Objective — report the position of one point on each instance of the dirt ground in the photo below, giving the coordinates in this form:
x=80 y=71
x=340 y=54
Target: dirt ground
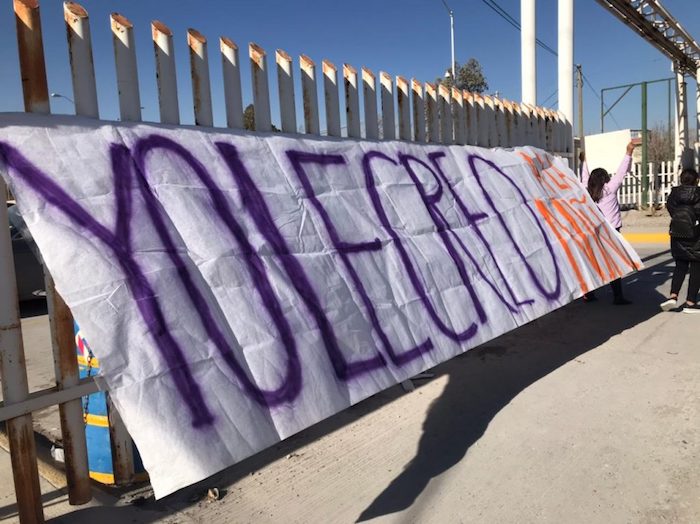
x=588 y=415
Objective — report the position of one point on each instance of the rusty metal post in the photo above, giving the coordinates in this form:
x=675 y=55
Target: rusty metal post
x=233 y=97
x=388 y=121
x=369 y=94
x=13 y=370
x=418 y=111
x=20 y=432
x=352 y=101
x=199 y=71
x=285 y=88
x=309 y=95
x=31 y=56
x=165 y=73
x=60 y=318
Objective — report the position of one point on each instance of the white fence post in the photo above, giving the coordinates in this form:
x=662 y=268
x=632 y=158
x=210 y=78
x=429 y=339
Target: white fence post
x=388 y=121
x=199 y=70
x=231 y=69
x=330 y=92
x=352 y=101
x=470 y=118
x=127 y=74
x=285 y=88
x=403 y=103
x=548 y=131
x=80 y=52
x=482 y=121
x=445 y=112
x=369 y=95
x=431 y=113
x=165 y=73
x=418 y=111
x=261 y=91
x=309 y=95
x=458 y=116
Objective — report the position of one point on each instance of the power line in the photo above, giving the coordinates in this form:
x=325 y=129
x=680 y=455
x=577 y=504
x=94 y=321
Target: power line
x=549 y=97
x=512 y=21
x=595 y=92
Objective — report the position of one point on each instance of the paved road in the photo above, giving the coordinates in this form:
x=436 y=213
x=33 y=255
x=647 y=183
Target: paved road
x=589 y=414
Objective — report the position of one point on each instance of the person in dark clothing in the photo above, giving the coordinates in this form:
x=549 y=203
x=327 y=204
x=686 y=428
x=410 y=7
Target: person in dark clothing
x=684 y=206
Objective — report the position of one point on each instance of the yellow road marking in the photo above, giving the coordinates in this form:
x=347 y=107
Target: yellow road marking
x=647 y=238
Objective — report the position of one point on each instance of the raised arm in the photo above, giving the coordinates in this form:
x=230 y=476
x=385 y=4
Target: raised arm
x=616 y=181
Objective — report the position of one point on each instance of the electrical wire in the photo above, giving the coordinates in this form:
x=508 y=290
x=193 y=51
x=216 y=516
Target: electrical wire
x=549 y=97
x=512 y=21
x=595 y=92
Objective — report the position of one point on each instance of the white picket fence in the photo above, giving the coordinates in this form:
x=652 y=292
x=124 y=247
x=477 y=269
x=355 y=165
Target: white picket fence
x=661 y=179
x=391 y=108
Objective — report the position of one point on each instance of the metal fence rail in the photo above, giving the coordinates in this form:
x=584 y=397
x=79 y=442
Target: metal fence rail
x=392 y=108
x=661 y=179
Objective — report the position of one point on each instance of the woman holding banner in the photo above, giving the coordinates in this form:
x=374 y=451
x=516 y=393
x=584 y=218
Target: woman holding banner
x=603 y=190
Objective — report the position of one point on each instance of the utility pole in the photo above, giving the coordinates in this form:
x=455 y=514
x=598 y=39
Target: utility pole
x=645 y=157
x=579 y=86
x=452 y=38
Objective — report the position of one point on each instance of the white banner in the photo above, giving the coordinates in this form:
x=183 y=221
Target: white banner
x=239 y=287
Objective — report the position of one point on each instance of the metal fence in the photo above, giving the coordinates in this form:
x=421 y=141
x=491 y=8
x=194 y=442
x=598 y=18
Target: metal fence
x=661 y=179
x=391 y=108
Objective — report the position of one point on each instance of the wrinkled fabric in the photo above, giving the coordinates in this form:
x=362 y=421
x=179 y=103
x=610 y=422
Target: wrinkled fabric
x=239 y=287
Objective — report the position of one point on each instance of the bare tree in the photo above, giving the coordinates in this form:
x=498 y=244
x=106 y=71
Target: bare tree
x=660 y=146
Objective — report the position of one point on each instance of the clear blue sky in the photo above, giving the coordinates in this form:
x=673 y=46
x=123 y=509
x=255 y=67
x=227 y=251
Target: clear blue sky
x=408 y=37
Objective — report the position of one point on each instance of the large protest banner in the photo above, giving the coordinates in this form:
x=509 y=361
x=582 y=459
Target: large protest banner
x=240 y=287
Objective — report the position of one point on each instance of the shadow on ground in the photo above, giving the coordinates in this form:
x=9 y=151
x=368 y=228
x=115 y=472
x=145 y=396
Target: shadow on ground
x=484 y=380
x=481 y=382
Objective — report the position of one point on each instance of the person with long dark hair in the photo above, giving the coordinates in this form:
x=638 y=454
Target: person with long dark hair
x=683 y=204
x=603 y=190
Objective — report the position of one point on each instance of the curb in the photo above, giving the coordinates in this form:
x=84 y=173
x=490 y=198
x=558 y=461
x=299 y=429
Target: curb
x=48 y=469
x=647 y=238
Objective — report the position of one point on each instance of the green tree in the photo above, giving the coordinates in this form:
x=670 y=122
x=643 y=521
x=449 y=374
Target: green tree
x=249 y=119
x=470 y=76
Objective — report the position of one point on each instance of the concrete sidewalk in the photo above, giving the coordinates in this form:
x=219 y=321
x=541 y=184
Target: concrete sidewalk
x=586 y=415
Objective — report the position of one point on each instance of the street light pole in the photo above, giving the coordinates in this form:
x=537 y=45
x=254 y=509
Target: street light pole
x=59 y=95
x=452 y=38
